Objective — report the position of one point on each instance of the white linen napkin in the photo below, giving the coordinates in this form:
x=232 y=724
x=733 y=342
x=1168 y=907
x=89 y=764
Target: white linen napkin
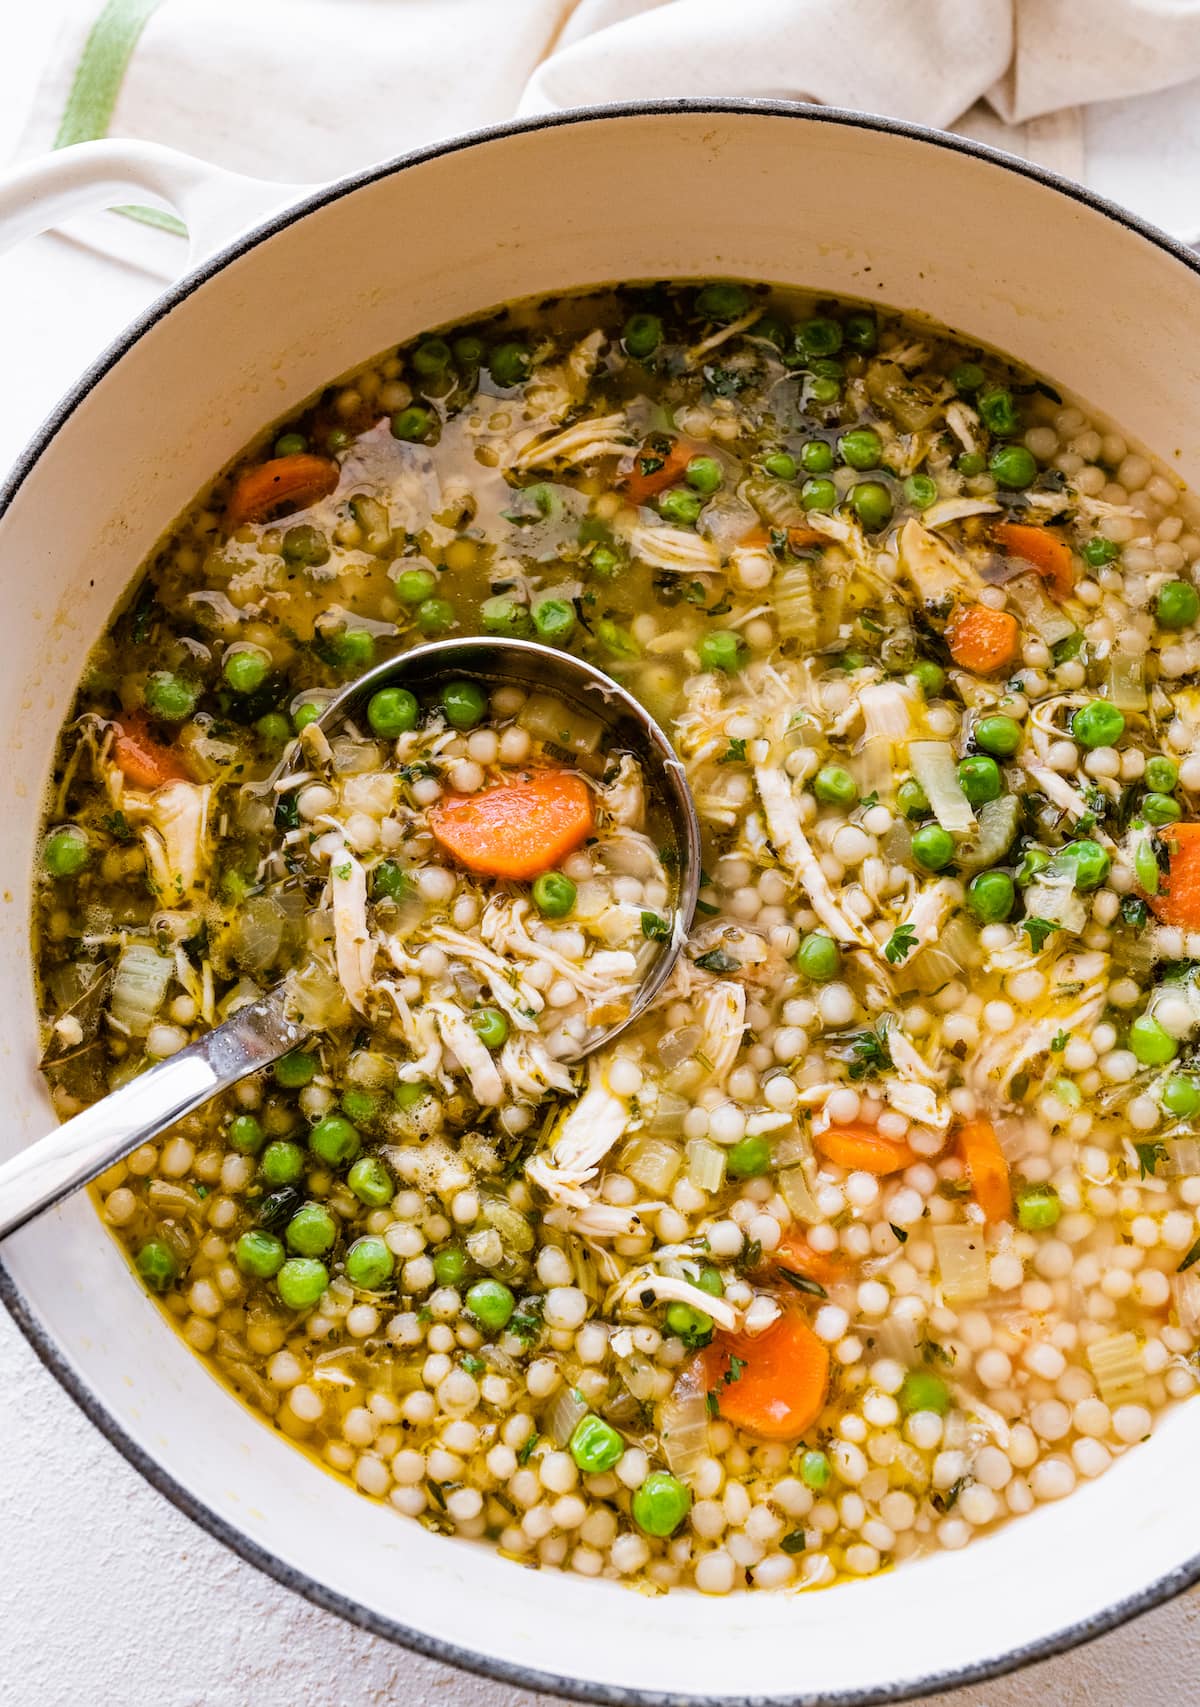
x=304 y=90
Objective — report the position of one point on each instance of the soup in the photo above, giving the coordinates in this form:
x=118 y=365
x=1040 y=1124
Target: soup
x=878 y=1227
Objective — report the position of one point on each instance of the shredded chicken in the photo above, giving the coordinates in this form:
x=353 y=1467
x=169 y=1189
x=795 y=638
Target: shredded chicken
x=583 y=1137
x=642 y=1287
x=173 y=824
x=581 y=442
x=673 y=549
x=461 y=1038
x=792 y=845
x=353 y=946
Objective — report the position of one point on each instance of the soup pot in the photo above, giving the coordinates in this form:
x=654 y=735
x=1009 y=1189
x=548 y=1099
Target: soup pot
x=832 y=201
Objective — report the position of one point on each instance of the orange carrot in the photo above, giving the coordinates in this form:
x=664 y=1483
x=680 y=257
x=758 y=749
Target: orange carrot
x=794 y=1253
x=799 y=538
x=654 y=470
x=777 y=1385
x=988 y=1169
x=982 y=640
x=516 y=829
x=1178 y=898
x=284 y=483
x=142 y=760
x=1045 y=551
x=860 y=1148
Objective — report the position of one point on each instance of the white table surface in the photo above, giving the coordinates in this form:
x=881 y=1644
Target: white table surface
x=110 y=1597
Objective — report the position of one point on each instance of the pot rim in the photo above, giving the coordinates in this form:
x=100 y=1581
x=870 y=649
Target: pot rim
x=319 y=1594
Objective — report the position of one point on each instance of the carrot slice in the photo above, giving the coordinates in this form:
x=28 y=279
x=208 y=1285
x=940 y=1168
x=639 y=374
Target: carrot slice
x=142 y=760
x=777 y=1385
x=653 y=470
x=860 y=1148
x=794 y=1253
x=1049 y=555
x=982 y=640
x=283 y=483
x=988 y=1169
x=1178 y=898
x=516 y=829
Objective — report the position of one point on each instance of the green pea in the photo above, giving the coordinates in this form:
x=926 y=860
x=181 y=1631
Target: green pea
x=369 y=1264
x=415 y=585
x=722 y=649
x=469 y=350
x=281 y=1163
x=435 y=616
x=912 y=799
x=834 y=786
x=999 y=735
x=816 y=1472
x=661 y=1503
x=464 y=703
x=390 y=881
x=693 y=1327
x=967 y=378
x=1085 y=862
x=502 y=614
x=353 y=648
x=1161 y=809
x=290 y=444
x=932 y=847
x=780 y=465
x=1038 y=1207
x=1177 y=605
x=66 y=851
x=722 y=302
x=1033 y=860
x=1099 y=552
x=157 y=1266
x=450 y=1265
x=245 y=668
x=337 y=438
x=851 y=661
x=861 y=448
x=412 y=1092
x=676 y=505
x=819 y=957
x=990 y=896
x=1180 y=1096
x=595 y=1445
x=920 y=491
x=431 y=358
x=999 y=411
x=1098 y=724
x=334 y=1140
x=274 y=729
x=872 y=504
x=980 y=780
x=490 y=1026
x=509 y=365
x=1162 y=775
x=860 y=330
x=168 y=696
x=773 y=329
x=819 y=336
x=554 y=620
x=259 y=1254
x=553 y=895
x=971 y=464
x=819 y=495
x=642 y=335
x=301 y=1282
x=816 y=457
x=704 y=474
x=1153 y=1046
x=1145 y=865
x=1013 y=467
x=491 y=1303
x=292 y=1071
x=710 y=1281
x=358 y=1105
x=371 y=1182
x=246 y=1135
x=604 y=563
x=920 y=1391
x=392 y=712
x=304 y=715
x=414 y=425
x=749 y=1157
x=931 y=678
x=311 y=1231
x=305 y=544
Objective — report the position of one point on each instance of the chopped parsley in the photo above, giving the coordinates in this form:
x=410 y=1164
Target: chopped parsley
x=900 y=944
x=716 y=960
x=1059 y=1042
x=1191 y=1256
x=1149 y=1156
x=735 y=753
x=655 y=928
x=871 y=1055
x=1038 y=930
x=793 y=1542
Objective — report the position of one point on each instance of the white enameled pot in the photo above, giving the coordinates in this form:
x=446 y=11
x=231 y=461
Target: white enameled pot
x=832 y=201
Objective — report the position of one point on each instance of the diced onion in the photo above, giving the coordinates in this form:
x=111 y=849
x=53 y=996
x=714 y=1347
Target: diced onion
x=138 y=987
x=795 y=1191
x=1182 y=1158
x=1126 y=681
x=1041 y=615
x=1116 y=1362
x=639 y=1375
x=1186 y=1287
x=887 y=711
x=677 y=1046
x=936 y=770
x=683 y=1424
x=1056 y=901
x=962 y=1260
x=567 y=1411
x=705 y=1165
x=999 y=821
x=795 y=605
x=896 y=1337
x=652 y=1162
x=546 y=718
x=668 y=1116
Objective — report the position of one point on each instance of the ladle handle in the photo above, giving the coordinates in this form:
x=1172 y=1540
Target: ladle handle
x=87 y=1144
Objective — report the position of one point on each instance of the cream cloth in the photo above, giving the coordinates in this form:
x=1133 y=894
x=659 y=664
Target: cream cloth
x=304 y=90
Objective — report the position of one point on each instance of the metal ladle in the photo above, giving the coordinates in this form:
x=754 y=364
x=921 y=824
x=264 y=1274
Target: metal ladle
x=263 y=1030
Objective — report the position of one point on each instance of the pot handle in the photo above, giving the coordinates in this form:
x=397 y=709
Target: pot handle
x=215 y=204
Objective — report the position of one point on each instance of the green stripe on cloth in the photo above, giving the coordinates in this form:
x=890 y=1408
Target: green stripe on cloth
x=97 y=83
